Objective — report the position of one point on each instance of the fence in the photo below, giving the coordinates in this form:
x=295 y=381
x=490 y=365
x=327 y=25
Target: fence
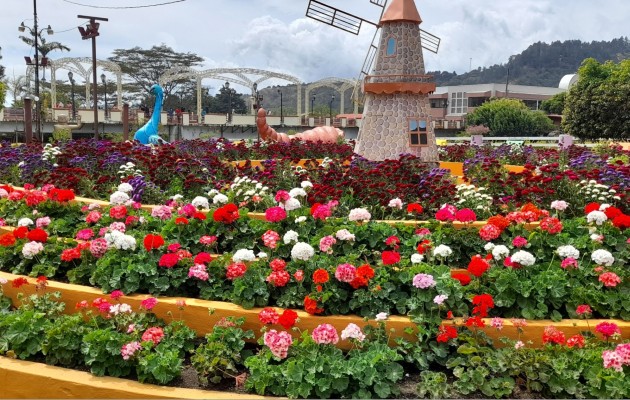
x=534 y=141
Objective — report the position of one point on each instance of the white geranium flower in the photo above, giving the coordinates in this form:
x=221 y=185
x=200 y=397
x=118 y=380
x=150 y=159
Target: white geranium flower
x=442 y=251
x=603 y=257
x=243 y=255
x=125 y=187
x=297 y=192
x=302 y=251
x=568 y=251
x=499 y=252
x=290 y=236
x=598 y=217
x=416 y=258
x=200 y=202
x=119 y=197
x=306 y=184
x=220 y=198
x=25 y=222
x=291 y=204
x=523 y=258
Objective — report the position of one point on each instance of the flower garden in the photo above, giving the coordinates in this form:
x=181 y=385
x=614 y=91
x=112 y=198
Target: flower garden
x=316 y=273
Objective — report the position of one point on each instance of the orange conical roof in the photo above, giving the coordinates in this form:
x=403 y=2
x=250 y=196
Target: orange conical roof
x=401 y=10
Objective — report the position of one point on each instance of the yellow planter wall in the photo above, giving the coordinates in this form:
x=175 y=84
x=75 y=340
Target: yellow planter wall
x=201 y=315
x=30 y=380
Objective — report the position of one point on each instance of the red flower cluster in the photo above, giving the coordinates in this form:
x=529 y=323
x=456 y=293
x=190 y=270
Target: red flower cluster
x=424 y=246
x=7 y=239
x=202 y=258
x=268 y=316
x=226 y=214
x=551 y=224
x=20 y=232
x=478 y=265
x=463 y=278
x=287 y=319
x=168 y=260
x=446 y=333
x=363 y=276
x=482 y=303
x=607 y=329
x=68 y=255
x=414 y=208
x=118 y=212
x=310 y=306
x=152 y=241
x=553 y=335
x=275 y=214
x=235 y=270
x=19 y=282
x=320 y=276
x=390 y=257
x=61 y=195
x=576 y=341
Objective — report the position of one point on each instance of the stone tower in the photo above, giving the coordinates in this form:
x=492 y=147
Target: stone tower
x=396 y=115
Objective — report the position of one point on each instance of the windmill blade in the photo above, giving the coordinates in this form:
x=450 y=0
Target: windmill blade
x=334 y=17
x=429 y=41
x=357 y=94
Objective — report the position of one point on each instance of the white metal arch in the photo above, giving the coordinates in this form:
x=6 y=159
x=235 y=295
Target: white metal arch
x=75 y=64
x=334 y=84
x=238 y=76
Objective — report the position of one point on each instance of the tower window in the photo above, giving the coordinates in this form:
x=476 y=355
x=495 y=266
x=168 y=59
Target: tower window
x=391 y=46
x=418 y=132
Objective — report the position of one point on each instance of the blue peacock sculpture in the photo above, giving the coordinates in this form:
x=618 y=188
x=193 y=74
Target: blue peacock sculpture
x=148 y=134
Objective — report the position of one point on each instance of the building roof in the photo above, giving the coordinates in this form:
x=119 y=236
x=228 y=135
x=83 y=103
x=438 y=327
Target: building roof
x=401 y=10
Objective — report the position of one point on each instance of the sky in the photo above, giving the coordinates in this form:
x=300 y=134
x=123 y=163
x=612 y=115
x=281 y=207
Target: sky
x=276 y=35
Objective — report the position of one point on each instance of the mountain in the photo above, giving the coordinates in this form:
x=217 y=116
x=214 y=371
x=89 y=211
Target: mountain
x=541 y=64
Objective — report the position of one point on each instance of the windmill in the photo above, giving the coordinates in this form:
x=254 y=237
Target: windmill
x=351 y=23
x=396 y=116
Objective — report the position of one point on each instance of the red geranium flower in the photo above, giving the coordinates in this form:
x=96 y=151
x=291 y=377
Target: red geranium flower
x=7 y=239
x=168 y=260
x=622 y=221
x=482 y=303
x=19 y=282
x=310 y=306
x=61 y=195
x=424 y=246
x=390 y=257
x=20 y=232
x=202 y=258
x=499 y=221
x=287 y=319
x=446 y=332
x=152 y=241
x=118 y=212
x=591 y=207
x=37 y=235
x=478 y=266
x=463 y=278
x=414 y=208
x=321 y=276
x=181 y=221
x=226 y=214
x=553 y=335
x=365 y=271
x=268 y=316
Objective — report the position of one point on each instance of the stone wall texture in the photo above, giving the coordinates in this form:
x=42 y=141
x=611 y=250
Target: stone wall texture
x=384 y=130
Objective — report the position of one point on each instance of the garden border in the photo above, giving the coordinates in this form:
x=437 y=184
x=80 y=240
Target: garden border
x=33 y=380
x=201 y=315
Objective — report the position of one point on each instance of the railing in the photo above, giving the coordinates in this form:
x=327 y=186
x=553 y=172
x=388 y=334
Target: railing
x=534 y=141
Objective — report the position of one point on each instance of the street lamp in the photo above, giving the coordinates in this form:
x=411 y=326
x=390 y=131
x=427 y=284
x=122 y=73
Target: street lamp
x=257 y=100
x=74 y=110
x=281 y=109
x=105 y=87
x=90 y=31
x=227 y=87
x=330 y=108
x=312 y=105
x=44 y=61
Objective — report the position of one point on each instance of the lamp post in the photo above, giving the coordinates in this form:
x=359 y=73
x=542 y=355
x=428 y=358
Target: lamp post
x=330 y=108
x=312 y=105
x=44 y=60
x=74 y=110
x=105 y=87
x=90 y=31
x=257 y=100
x=227 y=87
x=281 y=109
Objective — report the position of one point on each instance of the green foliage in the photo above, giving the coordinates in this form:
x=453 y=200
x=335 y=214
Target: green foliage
x=598 y=106
x=3 y=91
x=62 y=343
x=312 y=370
x=222 y=355
x=555 y=104
x=510 y=117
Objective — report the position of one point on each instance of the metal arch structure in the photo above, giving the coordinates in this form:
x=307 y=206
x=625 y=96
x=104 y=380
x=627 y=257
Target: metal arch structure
x=334 y=84
x=238 y=76
x=75 y=64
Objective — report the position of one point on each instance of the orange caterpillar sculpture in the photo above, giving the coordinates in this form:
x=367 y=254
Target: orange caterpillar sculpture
x=326 y=134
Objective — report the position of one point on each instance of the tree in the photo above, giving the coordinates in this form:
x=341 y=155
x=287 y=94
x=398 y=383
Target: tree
x=3 y=86
x=44 y=47
x=510 y=117
x=598 y=105
x=146 y=66
x=1 y=66
x=555 y=104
